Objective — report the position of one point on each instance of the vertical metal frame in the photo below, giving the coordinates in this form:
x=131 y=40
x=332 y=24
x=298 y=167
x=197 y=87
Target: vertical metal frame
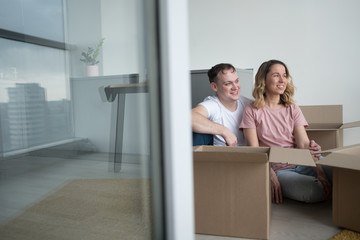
x=176 y=119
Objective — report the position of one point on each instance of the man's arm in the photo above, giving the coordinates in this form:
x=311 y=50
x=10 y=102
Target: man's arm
x=201 y=124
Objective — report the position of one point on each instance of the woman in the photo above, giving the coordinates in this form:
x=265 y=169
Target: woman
x=274 y=119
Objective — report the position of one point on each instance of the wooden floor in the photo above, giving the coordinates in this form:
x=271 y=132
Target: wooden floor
x=27 y=179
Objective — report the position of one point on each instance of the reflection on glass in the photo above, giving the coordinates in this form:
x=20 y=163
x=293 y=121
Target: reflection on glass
x=41 y=18
x=34 y=105
x=36 y=95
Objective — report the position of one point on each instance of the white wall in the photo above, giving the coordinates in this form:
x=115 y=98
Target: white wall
x=120 y=19
x=318 y=40
x=115 y=20
x=83 y=29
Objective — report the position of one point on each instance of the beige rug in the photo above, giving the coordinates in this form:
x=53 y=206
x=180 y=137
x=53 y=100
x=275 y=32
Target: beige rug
x=346 y=235
x=87 y=209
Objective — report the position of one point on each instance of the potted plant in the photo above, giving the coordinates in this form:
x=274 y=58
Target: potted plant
x=89 y=57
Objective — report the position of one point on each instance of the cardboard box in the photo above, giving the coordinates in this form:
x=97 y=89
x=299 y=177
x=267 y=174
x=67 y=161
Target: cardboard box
x=326 y=125
x=346 y=186
x=232 y=188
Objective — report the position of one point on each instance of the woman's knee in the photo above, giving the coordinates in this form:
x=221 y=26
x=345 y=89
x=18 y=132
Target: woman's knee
x=316 y=192
x=301 y=187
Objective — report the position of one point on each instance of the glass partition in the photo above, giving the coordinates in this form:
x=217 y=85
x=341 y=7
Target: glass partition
x=35 y=108
x=80 y=120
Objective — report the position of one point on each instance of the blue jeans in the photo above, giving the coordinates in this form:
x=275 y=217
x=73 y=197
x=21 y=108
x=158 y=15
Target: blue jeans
x=202 y=139
x=301 y=183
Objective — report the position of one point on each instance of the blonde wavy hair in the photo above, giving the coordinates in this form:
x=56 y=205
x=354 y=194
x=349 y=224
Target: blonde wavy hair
x=259 y=89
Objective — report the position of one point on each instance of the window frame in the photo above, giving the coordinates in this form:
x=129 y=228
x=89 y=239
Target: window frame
x=25 y=38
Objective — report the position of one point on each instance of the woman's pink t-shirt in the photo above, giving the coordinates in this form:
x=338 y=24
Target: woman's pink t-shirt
x=275 y=128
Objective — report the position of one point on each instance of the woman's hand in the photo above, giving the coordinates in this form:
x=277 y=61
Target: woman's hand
x=276 y=194
x=314 y=147
x=327 y=187
x=324 y=181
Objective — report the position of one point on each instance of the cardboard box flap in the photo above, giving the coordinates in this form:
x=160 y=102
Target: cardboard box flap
x=291 y=156
x=325 y=153
x=347 y=157
x=324 y=114
x=324 y=126
x=210 y=148
x=338 y=149
x=351 y=124
x=341 y=161
x=231 y=154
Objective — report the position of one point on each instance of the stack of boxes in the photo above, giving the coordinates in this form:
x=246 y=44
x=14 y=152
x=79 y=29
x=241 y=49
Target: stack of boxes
x=326 y=127
x=232 y=185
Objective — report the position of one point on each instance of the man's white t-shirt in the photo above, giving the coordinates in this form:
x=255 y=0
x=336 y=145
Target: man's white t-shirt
x=218 y=113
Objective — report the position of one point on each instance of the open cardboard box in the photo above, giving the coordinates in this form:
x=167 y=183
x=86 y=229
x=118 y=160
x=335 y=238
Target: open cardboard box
x=326 y=125
x=326 y=128
x=232 y=188
x=346 y=185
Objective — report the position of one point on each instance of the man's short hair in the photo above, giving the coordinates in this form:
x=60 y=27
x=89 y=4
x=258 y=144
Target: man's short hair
x=221 y=67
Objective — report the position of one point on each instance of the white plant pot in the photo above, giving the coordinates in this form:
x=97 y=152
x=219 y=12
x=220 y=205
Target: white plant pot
x=92 y=70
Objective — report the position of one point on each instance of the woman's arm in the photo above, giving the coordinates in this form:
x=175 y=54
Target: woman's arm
x=301 y=137
x=251 y=137
x=252 y=140
x=302 y=141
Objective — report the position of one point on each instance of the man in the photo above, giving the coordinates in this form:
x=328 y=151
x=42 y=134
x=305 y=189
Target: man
x=220 y=115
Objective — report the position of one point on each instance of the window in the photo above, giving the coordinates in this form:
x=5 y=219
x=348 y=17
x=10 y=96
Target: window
x=35 y=108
